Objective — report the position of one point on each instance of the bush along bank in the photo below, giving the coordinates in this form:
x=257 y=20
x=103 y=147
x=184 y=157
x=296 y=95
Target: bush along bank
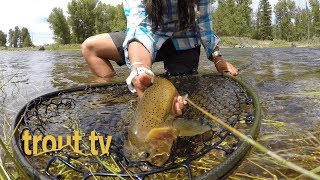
x=245 y=42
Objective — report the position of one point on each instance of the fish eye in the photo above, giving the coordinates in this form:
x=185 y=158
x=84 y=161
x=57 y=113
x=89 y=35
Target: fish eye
x=147 y=154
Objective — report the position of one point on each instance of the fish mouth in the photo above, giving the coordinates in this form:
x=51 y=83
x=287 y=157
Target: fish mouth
x=159 y=159
x=159 y=151
x=160 y=142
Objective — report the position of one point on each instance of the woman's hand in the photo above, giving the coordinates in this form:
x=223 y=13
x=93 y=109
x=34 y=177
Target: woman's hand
x=140 y=55
x=223 y=66
x=141 y=83
x=178 y=105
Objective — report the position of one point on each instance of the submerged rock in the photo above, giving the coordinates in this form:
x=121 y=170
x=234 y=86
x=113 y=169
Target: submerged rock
x=239 y=46
x=41 y=48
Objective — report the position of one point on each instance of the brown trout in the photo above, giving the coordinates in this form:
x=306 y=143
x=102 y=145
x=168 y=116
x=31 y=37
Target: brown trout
x=154 y=127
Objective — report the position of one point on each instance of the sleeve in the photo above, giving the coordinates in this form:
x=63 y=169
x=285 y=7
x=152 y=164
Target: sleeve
x=205 y=32
x=138 y=26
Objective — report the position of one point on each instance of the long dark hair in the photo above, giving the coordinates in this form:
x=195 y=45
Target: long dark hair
x=186 y=13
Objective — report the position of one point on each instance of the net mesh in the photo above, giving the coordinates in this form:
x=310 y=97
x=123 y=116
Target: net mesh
x=108 y=110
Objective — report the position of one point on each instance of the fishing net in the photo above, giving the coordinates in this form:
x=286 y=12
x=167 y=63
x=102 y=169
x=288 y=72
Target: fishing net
x=107 y=110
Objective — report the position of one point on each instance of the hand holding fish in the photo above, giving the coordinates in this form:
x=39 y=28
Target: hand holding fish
x=178 y=105
x=143 y=81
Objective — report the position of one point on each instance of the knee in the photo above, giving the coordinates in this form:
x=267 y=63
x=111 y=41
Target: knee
x=87 y=47
x=109 y=74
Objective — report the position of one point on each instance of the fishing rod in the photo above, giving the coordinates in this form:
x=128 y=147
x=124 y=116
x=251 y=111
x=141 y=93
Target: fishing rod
x=256 y=144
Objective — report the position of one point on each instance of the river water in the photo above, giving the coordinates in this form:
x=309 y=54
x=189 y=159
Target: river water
x=287 y=81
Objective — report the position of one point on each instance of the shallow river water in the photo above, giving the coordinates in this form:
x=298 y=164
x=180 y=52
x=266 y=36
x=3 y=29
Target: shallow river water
x=287 y=81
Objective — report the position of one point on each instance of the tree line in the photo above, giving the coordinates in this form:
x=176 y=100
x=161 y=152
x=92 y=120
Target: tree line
x=16 y=38
x=230 y=18
x=85 y=18
x=292 y=23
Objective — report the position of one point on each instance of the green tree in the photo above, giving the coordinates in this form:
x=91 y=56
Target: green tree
x=284 y=11
x=82 y=19
x=16 y=37
x=59 y=25
x=3 y=38
x=25 y=38
x=302 y=23
x=102 y=18
x=315 y=17
x=223 y=22
x=117 y=21
x=242 y=17
x=263 y=26
x=23 y=34
x=10 y=39
x=233 y=18
x=27 y=42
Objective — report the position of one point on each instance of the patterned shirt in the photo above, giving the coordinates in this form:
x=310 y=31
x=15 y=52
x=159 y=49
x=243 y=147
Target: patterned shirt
x=139 y=28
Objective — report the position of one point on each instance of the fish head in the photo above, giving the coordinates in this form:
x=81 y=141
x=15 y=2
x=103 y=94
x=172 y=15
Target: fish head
x=152 y=134
x=160 y=141
x=155 y=108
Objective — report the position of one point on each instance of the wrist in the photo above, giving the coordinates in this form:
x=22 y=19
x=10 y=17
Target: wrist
x=217 y=60
x=216 y=55
x=136 y=72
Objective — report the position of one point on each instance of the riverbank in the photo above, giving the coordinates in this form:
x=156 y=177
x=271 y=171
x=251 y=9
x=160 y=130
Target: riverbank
x=49 y=47
x=245 y=42
x=226 y=42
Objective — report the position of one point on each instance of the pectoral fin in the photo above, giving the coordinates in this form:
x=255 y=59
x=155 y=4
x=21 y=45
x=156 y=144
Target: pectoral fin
x=190 y=127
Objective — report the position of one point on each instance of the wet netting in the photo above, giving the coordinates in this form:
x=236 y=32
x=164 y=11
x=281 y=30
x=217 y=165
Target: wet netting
x=106 y=110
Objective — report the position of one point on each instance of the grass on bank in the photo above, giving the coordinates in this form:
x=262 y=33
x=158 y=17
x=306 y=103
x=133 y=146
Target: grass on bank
x=62 y=47
x=49 y=47
x=245 y=42
x=228 y=42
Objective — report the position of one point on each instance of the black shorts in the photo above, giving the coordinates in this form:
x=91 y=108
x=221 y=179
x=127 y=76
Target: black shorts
x=175 y=62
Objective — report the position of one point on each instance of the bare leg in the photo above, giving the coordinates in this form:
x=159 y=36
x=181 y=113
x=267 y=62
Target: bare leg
x=97 y=51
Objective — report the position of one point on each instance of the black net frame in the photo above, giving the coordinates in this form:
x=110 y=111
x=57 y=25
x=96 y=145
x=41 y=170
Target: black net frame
x=235 y=154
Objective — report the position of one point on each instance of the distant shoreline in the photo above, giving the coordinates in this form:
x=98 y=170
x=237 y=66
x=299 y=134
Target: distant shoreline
x=244 y=42
x=226 y=42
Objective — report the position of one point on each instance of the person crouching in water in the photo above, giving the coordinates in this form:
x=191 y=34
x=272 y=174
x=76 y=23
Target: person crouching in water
x=171 y=31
